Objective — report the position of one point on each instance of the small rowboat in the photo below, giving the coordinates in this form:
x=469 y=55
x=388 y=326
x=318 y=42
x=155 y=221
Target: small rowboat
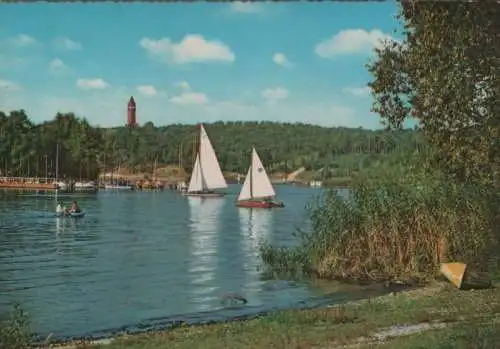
x=77 y=214
x=71 y=214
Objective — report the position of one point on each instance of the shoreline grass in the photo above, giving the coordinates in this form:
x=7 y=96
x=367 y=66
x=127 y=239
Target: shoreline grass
x=464 y=316
x=400 y=228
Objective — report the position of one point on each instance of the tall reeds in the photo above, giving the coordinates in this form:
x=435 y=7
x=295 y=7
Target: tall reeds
x=399 y=227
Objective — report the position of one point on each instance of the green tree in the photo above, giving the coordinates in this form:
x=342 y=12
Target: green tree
x=445 y=75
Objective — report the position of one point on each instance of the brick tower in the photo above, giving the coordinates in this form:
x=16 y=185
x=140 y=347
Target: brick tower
x=131 y=121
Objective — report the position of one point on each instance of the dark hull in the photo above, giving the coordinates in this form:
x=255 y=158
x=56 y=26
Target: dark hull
x=205 y=194
x=259 y=204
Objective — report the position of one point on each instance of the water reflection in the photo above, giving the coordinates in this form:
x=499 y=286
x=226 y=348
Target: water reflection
x=204 y=225
x=256 y=226
x=58 y=226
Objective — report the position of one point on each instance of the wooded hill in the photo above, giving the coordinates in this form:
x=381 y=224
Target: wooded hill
x=28 y=149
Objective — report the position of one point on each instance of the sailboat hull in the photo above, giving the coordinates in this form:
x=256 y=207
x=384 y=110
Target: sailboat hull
x=213 y=194
x=259 y=204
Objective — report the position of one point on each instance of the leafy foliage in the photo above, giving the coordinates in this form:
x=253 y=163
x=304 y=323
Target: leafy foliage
x=29 y=149
x=445 y=75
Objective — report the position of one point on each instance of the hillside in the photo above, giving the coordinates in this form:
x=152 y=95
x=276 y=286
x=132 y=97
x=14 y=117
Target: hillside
x=85 y=150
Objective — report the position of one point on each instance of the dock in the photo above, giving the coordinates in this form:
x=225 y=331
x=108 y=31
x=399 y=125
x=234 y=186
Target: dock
x=28 y=183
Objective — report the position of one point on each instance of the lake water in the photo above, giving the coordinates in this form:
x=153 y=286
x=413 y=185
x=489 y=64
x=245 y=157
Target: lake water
x=140 y=260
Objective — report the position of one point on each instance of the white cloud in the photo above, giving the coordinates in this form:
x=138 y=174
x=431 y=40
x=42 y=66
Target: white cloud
x=280 y=59
x=350 y=41
x=147 y=90
x=183 y=85
x=358 y=91
x=22 y=40
x=92 y=84
x=57 y=66
x=66 y=44
x=192 y=48
x=8 y=86
x=344 y=116
x=187 y=98
x=245 y=7
x=272 y=95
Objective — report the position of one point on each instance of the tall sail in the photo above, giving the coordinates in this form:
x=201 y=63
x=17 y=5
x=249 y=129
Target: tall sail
x=196 y=183
x=257 y=183
x=212 y=173
x=246 y=190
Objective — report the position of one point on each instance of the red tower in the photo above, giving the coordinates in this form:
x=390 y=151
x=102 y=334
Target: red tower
x=131 y=122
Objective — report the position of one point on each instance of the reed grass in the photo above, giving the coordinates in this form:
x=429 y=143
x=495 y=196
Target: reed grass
x=15 y=329
x=399 y=227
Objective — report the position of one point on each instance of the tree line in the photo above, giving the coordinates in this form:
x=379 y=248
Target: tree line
x=29 y=149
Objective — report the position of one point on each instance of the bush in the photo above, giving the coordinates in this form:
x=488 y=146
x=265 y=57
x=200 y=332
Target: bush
x=15 y=330
x=401 y=227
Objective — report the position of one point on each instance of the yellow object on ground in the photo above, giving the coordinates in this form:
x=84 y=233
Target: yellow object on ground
x=463 y=278
x=454 y=272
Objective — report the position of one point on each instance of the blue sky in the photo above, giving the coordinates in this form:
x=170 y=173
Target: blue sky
x=192 y=62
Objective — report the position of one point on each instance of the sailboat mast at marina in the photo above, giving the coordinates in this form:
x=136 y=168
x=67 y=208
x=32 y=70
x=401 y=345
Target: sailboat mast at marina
x=257 y=190
x=206 y=175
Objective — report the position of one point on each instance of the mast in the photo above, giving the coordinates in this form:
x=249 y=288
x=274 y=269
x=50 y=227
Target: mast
x=199 y=154
x=57 y=170
x=57 y=162
x=251 y=174
x=154 y=169
x=46 y=169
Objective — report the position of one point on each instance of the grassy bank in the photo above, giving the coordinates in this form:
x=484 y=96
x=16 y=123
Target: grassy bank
x=462 y=319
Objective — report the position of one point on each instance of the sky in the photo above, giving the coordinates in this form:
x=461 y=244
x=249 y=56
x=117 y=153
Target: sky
x=190 y=63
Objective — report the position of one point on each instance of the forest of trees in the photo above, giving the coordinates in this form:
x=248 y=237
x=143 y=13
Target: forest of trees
x=29 y=149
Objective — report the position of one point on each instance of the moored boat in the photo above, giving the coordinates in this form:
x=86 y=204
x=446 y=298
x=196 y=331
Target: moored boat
x=207 y=175
x=257 y=190
x=118 y=187
x=85 y=186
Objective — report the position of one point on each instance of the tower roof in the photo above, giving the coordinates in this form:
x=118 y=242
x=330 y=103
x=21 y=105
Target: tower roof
x=131 y=100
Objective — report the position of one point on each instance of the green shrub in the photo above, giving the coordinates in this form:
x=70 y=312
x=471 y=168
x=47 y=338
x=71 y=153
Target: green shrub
x=400 y=227
x=15 y=329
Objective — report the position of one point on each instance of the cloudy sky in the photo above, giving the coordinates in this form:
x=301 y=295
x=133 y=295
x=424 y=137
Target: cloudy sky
x=192 y=62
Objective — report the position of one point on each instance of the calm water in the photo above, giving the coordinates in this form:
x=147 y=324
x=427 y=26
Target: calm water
x=142 y=258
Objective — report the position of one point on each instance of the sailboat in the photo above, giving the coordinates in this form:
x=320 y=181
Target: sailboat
x=257 y=190
x=206 y=175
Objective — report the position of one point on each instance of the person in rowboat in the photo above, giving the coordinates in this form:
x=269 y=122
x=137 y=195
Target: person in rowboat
x=75 y=208
x=59 y=209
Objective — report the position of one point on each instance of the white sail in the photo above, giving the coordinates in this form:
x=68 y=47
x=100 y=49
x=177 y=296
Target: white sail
x=257 y=183
x=246 y=192
x=212 y=173
x=196 y=183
